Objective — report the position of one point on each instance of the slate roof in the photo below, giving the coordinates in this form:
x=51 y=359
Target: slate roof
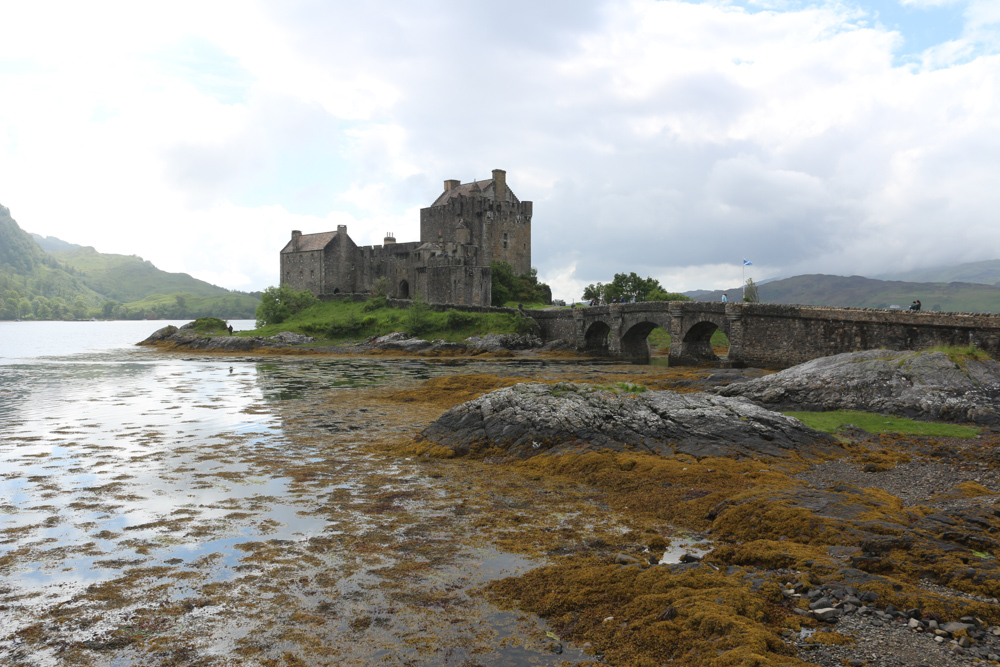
x=475 y=187
x=309 y=242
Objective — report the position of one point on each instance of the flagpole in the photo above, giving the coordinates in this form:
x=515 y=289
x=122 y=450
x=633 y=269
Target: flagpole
x=744 y=292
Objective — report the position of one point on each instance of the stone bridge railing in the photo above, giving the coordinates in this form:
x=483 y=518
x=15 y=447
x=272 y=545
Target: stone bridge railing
x=763 y=335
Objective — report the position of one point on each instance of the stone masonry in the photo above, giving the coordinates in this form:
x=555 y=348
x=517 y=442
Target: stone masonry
x=762 y=334
x=466 y=228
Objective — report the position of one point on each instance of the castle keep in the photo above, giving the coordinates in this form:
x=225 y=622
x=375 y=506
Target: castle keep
x=467 y=227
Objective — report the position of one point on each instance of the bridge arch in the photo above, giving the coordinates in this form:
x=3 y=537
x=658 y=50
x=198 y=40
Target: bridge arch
x=597 y=338
x=635 y=346
x=695 y=344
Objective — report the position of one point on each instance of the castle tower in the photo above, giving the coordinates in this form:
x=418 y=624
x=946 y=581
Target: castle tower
x=496 y=221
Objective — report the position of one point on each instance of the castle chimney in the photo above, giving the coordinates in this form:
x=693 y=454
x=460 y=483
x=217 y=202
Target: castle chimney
x=296 y=234
x=448 y=185
x=500 y=184
x=389 y=239
x=341 y=230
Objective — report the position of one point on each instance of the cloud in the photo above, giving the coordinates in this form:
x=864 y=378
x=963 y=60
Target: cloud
x=666 y=138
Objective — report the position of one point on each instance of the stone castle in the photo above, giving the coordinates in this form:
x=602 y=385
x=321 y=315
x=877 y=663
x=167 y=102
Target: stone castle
x=467 y=227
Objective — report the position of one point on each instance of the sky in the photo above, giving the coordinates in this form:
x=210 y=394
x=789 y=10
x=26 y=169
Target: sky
x=672 y=139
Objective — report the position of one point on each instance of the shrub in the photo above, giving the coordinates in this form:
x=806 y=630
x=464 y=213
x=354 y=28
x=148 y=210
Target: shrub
x=375 y=303
x=351 y=325
x=210 y=325
x=455 y=320
x=418 y=316
x=277 y=304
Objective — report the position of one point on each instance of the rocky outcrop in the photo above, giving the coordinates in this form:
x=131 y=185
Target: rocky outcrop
x=529 y=419
x=174 y=337
x=926 y=385
x=497 y=342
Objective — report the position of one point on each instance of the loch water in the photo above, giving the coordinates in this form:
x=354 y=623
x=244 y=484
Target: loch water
x=163 y=508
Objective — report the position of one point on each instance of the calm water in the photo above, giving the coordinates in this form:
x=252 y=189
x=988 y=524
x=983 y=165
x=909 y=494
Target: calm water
x=132 y=480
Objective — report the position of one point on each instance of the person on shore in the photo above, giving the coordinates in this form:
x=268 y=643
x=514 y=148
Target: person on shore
x=230 y=329
x=725 y=297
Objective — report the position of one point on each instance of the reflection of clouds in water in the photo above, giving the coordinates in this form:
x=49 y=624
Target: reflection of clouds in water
x=101 y=444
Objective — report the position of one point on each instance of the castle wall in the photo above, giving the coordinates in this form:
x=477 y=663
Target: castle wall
x=459 y=239
x=303 y=270
x=501 y=229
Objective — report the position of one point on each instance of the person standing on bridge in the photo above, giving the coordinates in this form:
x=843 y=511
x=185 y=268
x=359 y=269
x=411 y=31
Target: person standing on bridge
x=724 y=298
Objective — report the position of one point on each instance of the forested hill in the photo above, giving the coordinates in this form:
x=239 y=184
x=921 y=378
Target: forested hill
x=80 y=283
x=860 y=292
x=130 y=278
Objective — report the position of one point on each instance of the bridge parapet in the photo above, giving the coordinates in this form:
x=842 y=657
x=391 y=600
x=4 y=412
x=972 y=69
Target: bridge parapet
x=761 y=334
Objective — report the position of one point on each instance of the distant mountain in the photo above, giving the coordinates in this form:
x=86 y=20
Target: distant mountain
x=987 y=272
x=78 y=282
x=859 y=292
x=130 y=278
x=51 y=243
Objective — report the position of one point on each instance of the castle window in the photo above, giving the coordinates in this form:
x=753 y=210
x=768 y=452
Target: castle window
x=505 y=240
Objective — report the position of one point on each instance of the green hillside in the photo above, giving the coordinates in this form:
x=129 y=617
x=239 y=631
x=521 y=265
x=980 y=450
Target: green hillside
x=51 y=243
x=81 y=283
x=987 y=272
x=35 y=284
x=130 y=278
x=859 y=292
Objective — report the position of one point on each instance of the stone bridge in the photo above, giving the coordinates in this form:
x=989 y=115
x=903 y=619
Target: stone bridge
x=760 y=334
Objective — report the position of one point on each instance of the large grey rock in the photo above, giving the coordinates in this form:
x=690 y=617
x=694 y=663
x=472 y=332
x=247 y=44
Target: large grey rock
x=291 y=338
x=400 y=340
x=495 y=342
x=927 y=385
x=171 y=335
x=528 y=419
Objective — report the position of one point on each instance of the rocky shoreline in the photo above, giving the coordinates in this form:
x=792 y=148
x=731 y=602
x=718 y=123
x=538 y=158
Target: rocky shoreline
x=186 y=338
x=883 y=547
x=859 y=550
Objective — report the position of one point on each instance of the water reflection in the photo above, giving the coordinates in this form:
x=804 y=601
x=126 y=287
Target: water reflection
x=129 y=478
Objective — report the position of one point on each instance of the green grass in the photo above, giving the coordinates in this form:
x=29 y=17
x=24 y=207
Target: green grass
x=343 y=321
x=660 y=339
x=834 y=421
x=210 y=326
x=960 y=354
x=526 y=305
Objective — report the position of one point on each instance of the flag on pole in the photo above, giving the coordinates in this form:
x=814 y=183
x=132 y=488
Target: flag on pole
x=747 y=262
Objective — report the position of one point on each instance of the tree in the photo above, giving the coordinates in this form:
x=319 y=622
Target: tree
x=381 y=287
x=594 y=291
x=277 y=304
x=750 y=293
x=629 y=287
x=79 y=308
x=661 y=295
x=508 y=286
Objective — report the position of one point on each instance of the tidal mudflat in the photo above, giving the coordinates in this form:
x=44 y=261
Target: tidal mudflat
x=209 y=510
x=162 y=509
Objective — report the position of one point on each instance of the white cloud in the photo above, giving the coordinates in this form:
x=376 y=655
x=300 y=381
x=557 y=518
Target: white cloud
x=666 y=138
